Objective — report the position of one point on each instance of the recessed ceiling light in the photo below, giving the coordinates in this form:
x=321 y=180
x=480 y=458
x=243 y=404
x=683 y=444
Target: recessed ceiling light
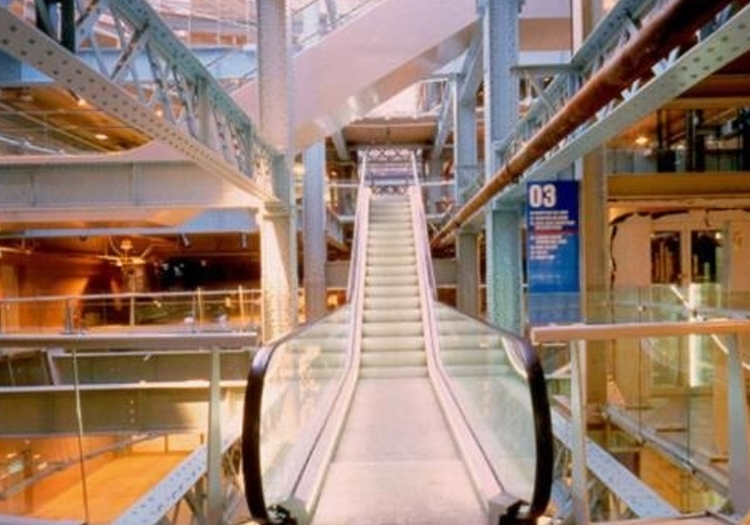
x=101 y=136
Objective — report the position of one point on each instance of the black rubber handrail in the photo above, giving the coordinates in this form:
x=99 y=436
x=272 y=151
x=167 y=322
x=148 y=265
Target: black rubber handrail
x=532 y=372
x=543 y=433
x=545 y=455
x=251 y=466
x=251 y=446
x=251 y=451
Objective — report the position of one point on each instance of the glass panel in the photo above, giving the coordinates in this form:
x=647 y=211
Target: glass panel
x=299 y=389
x=483 y=366
x=679 y=414
x=666 y=360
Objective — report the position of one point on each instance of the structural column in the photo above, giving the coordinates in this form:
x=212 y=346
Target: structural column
x=504 y=275
x=595 y=250
x=278 y=277
x=9 y=287
x=313 y=203
x=467 y=177
x=594 y=227
x=277 y=221
x=467 y=271
x=314 y=223
x=504 y=257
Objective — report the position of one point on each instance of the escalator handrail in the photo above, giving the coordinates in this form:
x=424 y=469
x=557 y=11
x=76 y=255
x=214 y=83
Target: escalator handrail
x=251 y=425
x=251 y=453
x=525 y=362
x=531 y=370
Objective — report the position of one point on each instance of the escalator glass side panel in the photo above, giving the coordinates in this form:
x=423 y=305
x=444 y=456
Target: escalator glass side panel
x=499 y=385
x=291 y=388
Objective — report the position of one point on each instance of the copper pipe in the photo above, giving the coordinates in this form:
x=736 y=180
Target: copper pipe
x=675 y=24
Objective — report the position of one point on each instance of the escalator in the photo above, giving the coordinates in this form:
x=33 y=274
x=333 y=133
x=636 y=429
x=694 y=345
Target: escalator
x=396 y=409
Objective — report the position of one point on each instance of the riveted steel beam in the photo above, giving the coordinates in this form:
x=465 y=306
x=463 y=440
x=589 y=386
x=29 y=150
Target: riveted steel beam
x=545 y=131
x=175 y=82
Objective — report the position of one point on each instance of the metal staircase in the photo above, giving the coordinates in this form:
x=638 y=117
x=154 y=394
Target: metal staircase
x=392 y=331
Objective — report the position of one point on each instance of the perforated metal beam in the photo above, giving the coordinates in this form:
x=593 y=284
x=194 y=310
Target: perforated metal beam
x=550 y=137
x=28 y=44
x=620 y=481
x=154 y=507
x=163 y=193
x=112 y=409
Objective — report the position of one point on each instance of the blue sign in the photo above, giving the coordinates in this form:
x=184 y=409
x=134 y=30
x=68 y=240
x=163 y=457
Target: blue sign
x=552 y=251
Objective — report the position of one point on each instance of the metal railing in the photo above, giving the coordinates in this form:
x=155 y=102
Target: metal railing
x=231 y=310
x=682 y=392
x=55 y=435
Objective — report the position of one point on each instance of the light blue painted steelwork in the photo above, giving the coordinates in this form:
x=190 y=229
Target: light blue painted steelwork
x=504 y=276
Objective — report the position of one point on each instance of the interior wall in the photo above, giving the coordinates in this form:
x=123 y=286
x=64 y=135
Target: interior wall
x=631 y=247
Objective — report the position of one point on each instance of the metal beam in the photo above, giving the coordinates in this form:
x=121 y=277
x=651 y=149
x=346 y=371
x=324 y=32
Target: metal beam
x=239 y=221
x=75 y=193
x=340 y=144
x=639 y=498
x=632 y=62
x=30 y=45
x=718 y=50
x=152 y=507
x=112 y=408
x=132 y=341
x=444 y=122
x=223 y=63
x=472 y=69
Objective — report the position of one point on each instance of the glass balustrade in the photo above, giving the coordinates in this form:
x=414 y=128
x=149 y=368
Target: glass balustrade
x=490 y=374
x=231 y=310
x=675 y=407
x=299 y=378
x=672 y=393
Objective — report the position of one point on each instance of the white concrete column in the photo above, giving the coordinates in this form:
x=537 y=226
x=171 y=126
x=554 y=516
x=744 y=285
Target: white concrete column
x=274 y=73
x=593 y=228
x=595 y=265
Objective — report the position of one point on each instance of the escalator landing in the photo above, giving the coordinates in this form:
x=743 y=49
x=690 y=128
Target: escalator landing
x=396 y=462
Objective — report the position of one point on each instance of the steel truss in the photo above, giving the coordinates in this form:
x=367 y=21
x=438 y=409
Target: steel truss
x=175 y=99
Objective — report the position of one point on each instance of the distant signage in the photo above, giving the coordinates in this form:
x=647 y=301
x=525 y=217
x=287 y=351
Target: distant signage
x=552 y=255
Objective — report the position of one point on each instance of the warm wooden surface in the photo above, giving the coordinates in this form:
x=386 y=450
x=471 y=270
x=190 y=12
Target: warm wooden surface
x=111 y=489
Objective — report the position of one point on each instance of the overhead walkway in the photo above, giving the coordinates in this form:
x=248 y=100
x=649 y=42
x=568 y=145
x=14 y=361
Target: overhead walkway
x=395 y=409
